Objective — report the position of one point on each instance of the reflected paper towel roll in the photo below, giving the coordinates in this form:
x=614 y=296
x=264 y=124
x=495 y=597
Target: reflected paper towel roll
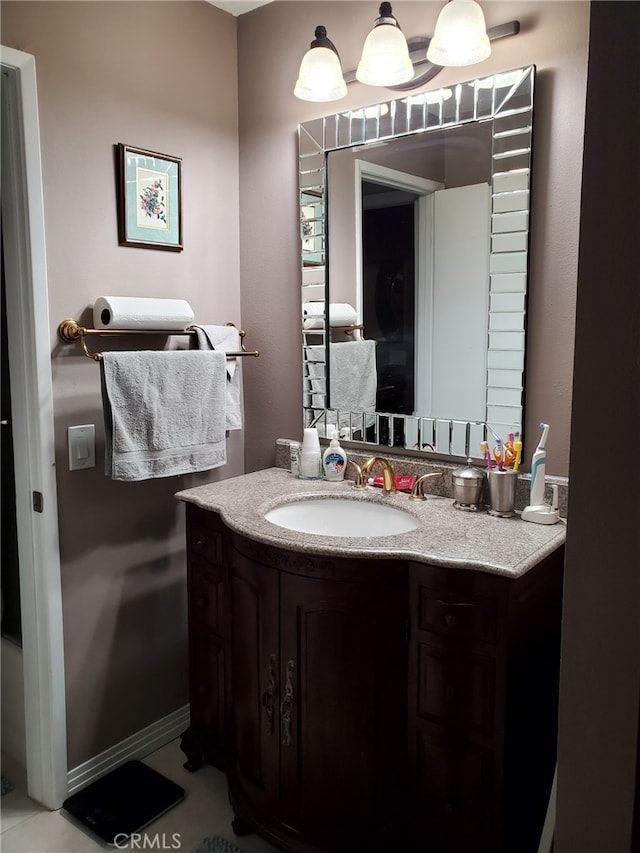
x=340 y=314
x=137 y=312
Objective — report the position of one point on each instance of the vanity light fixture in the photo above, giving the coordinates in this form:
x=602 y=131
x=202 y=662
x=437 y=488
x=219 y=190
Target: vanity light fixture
x=385 y=57
x=460 y=37
x=320 y=77
x=391 y=61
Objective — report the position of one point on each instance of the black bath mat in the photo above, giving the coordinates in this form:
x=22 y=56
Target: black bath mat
x=216 y=844
x=122 y=802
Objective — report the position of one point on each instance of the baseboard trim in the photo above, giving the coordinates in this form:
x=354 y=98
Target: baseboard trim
x=136 y=746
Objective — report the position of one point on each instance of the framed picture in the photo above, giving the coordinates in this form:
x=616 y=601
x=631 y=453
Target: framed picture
x=149 y=199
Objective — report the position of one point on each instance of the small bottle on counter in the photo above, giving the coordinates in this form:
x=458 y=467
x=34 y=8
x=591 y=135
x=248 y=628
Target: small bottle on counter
x=294 y=457
x=334 y=460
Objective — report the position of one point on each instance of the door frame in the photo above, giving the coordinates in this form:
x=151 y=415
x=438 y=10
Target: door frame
x=34 y=440
x=423 y=189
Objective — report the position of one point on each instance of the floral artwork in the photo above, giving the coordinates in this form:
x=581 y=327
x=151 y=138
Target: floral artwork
x=153 y=199
x=149 y=199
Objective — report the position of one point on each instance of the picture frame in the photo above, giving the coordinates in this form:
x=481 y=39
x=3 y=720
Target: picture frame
x=149 y=199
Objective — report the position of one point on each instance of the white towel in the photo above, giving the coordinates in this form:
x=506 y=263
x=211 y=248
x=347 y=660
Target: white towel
x=225 y=339
x=353 y=378
x=164 y=413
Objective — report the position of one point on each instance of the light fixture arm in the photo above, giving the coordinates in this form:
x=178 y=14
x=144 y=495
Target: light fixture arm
x=386 y=16
x=417 y=51
x=321 y=40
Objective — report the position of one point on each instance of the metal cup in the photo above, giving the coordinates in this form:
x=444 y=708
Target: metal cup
x=502 y=492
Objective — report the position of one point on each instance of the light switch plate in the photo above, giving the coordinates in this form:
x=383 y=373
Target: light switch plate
x=82 y=446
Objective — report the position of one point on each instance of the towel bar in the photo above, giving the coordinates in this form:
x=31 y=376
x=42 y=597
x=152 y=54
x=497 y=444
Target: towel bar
x=70 y=331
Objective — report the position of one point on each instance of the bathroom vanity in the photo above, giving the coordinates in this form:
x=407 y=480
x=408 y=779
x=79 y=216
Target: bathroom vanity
x=373 y=693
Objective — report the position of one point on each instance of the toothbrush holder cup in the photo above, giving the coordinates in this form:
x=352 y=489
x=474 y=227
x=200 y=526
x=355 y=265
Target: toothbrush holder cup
x=502 y=492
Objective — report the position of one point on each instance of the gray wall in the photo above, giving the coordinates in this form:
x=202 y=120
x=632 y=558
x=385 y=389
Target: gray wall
x=271 y=43
x=160 y=76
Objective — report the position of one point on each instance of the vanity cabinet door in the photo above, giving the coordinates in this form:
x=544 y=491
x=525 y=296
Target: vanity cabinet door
x=343 y=720
x=254 y=683
x=206 y=736
x=484 y=659
x=456 y=716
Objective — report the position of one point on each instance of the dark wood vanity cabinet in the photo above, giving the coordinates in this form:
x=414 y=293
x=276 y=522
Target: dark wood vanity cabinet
x=205 y=739
x=318 y=679
x=368 y=705
x=483 y=686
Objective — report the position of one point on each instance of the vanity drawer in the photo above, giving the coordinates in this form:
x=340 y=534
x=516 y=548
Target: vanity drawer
x=459 y=615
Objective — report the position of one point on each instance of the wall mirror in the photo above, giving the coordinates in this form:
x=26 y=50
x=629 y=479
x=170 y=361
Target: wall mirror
x=414 y=230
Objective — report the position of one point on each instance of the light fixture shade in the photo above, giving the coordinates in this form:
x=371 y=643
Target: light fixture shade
x=320 y=77
x=461 y=36
x=385 y=57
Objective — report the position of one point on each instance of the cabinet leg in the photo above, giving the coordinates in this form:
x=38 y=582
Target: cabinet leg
x=241 y=827
x=191 y=748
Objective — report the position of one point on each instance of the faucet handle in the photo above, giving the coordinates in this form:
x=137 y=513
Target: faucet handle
x=417 y=492
x=359 y=482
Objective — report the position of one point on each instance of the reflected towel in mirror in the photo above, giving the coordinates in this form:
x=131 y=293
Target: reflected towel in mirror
x=353 y=378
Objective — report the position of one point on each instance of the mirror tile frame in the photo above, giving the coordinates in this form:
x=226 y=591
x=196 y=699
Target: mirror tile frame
x=505 y=99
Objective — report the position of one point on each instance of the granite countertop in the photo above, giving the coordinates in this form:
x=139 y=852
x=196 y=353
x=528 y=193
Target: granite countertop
x=446 y=536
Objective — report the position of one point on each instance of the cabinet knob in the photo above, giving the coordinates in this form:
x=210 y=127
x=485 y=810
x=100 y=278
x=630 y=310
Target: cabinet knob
x=451 y=620
x=202 y=543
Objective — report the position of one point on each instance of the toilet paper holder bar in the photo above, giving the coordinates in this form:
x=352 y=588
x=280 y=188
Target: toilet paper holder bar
x=70 y=331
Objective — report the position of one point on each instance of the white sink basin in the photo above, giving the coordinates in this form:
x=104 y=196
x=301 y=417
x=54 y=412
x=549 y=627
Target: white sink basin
x=342 y=517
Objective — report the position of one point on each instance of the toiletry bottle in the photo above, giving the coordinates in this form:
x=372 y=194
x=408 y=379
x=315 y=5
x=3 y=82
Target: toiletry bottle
x=310 y=467
x=538 y=465
x=334 y=461
x=294 y=457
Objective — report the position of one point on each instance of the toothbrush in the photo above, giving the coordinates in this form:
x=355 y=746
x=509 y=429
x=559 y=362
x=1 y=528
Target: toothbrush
x=498 y=454
x=517 y=446
x=484 y=446
x=495 y=435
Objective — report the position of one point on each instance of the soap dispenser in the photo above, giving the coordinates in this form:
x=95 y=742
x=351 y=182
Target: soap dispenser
x=334 y=460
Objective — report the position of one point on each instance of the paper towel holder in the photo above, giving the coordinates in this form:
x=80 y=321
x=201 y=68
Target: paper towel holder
x=70 y=331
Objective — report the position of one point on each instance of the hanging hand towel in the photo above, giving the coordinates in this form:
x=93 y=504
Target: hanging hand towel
x=225 y=339
x=164 y=413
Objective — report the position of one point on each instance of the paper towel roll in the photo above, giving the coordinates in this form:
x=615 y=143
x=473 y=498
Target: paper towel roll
x=340 y=314
x=137 y=312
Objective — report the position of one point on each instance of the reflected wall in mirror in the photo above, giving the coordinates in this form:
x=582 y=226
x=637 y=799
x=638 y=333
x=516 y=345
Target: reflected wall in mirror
x=414 y=218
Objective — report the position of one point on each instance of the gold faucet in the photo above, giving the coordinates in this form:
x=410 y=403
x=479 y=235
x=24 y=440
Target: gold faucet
x=388 y=476
x=417 y=492
x=359 y=482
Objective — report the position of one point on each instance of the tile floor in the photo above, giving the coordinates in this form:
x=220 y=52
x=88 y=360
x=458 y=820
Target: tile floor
x=27 y=827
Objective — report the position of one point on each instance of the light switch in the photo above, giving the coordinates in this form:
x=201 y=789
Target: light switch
x=82 y=446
